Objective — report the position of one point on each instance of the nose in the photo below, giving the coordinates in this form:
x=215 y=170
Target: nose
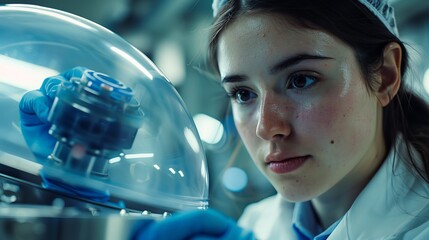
x=273 y=122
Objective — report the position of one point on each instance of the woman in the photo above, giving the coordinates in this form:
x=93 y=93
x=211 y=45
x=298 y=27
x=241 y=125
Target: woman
x=318 y=97
x=318 y=101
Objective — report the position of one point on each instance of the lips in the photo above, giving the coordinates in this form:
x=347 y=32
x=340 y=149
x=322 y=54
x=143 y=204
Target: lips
x=285 y=165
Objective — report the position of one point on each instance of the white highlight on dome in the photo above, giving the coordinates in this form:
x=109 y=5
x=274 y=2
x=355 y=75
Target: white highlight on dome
x=139 y=155
x=23 y=74
x=132 y=61
x=192 y=140
x=114 y=160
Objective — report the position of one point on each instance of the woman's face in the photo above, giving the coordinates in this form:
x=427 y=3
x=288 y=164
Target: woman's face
x=300 y=106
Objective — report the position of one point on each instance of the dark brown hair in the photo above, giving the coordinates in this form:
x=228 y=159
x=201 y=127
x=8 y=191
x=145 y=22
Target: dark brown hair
x=407 y=114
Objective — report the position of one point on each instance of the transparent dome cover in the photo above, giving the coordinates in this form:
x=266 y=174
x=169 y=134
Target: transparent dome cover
x=121 y=130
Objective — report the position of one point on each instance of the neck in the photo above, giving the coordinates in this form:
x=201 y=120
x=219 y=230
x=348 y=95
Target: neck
x=330 y=207
x=333 y=204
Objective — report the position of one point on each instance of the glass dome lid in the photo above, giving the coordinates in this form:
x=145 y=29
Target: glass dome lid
x=118 y=131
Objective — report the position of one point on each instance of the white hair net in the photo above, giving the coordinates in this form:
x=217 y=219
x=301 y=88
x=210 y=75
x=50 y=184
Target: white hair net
x=383 y=11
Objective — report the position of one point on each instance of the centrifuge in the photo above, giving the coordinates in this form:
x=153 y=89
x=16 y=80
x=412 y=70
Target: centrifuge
x=119 y=147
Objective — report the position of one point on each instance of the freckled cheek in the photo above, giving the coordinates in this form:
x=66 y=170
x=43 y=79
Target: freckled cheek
x=335 y=129
x=319 y=119
x=325 y=125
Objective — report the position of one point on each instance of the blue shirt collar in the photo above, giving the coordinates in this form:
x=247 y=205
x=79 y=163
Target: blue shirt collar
x=305 y=223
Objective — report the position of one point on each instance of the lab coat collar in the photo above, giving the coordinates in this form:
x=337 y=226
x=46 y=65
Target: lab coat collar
x=395 y=201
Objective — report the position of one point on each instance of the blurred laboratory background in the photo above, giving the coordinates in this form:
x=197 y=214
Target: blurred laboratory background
x=173 y=34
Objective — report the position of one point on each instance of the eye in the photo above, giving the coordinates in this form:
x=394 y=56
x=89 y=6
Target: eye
x=301 y=81
x=241 y=96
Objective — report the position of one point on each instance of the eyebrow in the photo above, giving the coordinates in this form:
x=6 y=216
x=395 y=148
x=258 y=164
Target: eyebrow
x=290 y=61
x=233 y=78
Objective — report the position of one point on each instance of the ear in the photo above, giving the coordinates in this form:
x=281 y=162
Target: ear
x=390 y=73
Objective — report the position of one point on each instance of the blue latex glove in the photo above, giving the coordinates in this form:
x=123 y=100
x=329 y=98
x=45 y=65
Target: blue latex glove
x=34 y=109
x=197 y=224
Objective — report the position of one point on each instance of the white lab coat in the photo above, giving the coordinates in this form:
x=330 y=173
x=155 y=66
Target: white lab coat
x=391 y=206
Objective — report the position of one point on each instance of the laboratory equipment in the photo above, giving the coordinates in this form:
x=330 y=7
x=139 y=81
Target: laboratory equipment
x=142 y=158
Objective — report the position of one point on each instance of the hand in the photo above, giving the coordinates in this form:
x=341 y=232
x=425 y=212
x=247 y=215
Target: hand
x=198 y=224
x=34 y=109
